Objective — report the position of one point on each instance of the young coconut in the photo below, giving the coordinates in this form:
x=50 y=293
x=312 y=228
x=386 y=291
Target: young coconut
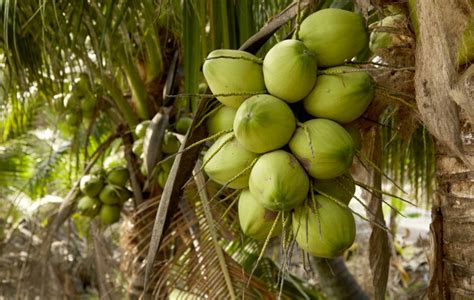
x=381 y=39
x=341 y=188
x=109 y=214
x=324 y=148
x=278 y=181
x=162 y=178
x=140 y=129
x=88 y=206
x=111 y=194
x=137 y=148
x=183 y=124
x=118 y=175
x=326 y=231
x=226 y=159
x=264 y=123
x=233 y=72
x=91 y=185
x=334 y=35
x=289 y=70
x=342 y=95
x=170 y=143
x=255 y=220
x=222 y=119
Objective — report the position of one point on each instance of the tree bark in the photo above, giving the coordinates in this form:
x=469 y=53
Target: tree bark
x=452 y=227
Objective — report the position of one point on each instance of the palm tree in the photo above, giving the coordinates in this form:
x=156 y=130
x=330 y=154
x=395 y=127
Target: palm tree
x=123 y=60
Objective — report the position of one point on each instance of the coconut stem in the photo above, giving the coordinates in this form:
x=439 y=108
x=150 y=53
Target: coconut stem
x=298 y=20
x=184 y=95
x=255 y=60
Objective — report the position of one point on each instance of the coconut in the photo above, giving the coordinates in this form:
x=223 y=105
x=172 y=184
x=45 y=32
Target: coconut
x=220 y=120
x=341 y=188
x=226 y=159
x=118 y=176
x=111 y=194
x=278 y=181
x=326 y=231
x=162 y=178
x=354 y=132
x=255 y=220
x=264 y=123
x=109 y=214
x=137 y=148
x=124 y=195
x=384 y=39
x=289 y=70
x=233 y=72
x=140 y=129
x=183 y=124
x=334 y=35
x=88 y=206
x=342 y=95
x=91 y=185
x=324 y=148
x=167 y=164
x=170 y=143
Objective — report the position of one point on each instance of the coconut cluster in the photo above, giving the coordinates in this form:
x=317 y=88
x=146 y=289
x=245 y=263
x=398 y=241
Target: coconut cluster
x=283 y=165
x=103 y=194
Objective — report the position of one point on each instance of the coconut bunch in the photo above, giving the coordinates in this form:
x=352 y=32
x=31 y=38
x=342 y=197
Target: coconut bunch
x=169 y=146
x=104 y=194
x=283 y=166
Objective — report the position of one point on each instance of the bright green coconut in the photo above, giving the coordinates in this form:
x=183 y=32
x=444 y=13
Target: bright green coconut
x=278 y=181
x=140 y=129
x=324 y=148
x=221 y=120
x=326 y=231
x=289 y=70
x=264 y=123
x=118 y=175
x=233 y=72
x=342 y=95
x=109 y=214
x=255 y=220
x=183 y=124
x=334 y=35
x=111 y=194
x=88 y=206
x=91 y=185
x=226 y=160
x=170 y=143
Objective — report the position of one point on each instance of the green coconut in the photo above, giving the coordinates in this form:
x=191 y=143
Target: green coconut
x=354 y=132
x=183 y=124
x=384 y=39
x=109 y=214
x=118 y=175
x=167 y=164
x=326 y=231
x=170 y=143
x=289 y=70
x=233 y=72
x=91 y=185
x=88 y=206
x=324 y=148
x=341 y=188
x=465 y=51
x=140 y=129
x=222 y=119
x=278 y=181
x=255 y=220
x=342 y=95
x=137 y=148
x=111 y=194
x=334 y=35
x=226 y=159
x=264 y=123
x=162 y=178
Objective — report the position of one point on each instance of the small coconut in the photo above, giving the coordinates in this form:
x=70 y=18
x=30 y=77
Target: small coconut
x=88 y=206
x=167 y=164
x=342 y=95
x=183 y=124
x=324 y=148
x=233 y=72
x=109 y=214
x=255 y=220
x=289 y=70
x=326 y=231
x=137 y=148
x=162 y=178
x=227 y=158
x=140 y=129
x=278 y=181
x=334 y=35
x=385 y=39
x=91 y=185
x=221 y=120
x=170 y=143
x=118 y=176
x=111 y=194
x=264 y=123
x=341 y=188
